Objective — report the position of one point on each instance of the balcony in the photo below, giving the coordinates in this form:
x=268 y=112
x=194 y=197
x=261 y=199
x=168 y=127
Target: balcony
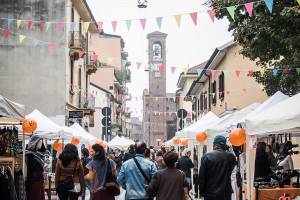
x=91 y=65
x=77 y=40
x=88 y=105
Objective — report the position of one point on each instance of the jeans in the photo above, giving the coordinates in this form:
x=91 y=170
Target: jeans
x=217 y=198
x=88 y=185
x=66 y=195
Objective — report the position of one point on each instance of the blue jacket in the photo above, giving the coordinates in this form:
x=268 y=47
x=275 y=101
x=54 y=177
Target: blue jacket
x=131 y=179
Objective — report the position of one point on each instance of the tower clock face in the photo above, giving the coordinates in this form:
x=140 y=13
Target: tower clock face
x=156 y=51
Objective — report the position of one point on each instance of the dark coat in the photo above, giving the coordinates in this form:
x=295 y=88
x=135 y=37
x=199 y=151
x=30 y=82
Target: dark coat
x=168 y=184
x=215 y=174
x=185 y=164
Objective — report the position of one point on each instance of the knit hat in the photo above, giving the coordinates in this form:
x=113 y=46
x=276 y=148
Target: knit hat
x=220 y=139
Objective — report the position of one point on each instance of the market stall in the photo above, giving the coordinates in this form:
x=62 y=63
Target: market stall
x=84 y=136
x=120 y=142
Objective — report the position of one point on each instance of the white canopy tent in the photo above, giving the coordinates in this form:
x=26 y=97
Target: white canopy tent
x=120 y=142
x=46 y=128
x=191 y=131
x=84 y=136
x=11 y=110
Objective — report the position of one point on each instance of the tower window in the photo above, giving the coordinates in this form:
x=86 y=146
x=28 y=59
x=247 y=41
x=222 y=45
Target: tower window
x=157 y=49
x=214 y=90
x=221 y=86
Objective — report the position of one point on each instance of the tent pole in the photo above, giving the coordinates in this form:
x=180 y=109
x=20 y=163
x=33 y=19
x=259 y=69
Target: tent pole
x=23 y=158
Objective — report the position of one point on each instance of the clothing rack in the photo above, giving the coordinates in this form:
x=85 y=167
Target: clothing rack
x=8 y=162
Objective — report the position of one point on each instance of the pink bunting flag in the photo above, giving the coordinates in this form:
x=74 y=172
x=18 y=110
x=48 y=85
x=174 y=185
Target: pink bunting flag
x=100 y=25
x=213 y=72
x=161 y=68
x=29 y=24
x=245 y=90
x=249 y=8
x=114 y=25
x=6 y=33
x=94 y=57
x=212 y=14
x=228 y=92
x=81 y=54
x=59 y=26
x=138 y=65
x=42 y=24
x=143 y=23
x=250 y=72
x=173 y=69
x=52 y=46
x=194 y=17
x=237 y=72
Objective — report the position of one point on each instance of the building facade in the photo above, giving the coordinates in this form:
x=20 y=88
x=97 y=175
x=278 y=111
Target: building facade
x=48 y=57
x=225 y=84
x=134 y=129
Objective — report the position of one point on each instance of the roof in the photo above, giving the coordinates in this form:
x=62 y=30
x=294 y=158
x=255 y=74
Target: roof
x=212 y=63
x=157 y=34
x=192 y=72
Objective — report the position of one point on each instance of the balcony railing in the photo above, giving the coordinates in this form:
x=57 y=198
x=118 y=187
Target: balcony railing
x=91 y=65
x=77 y=40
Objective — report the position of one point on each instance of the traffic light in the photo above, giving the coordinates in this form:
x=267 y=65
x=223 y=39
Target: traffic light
x=106 y=123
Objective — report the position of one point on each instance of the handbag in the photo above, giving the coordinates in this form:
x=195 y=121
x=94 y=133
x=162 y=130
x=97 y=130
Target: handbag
x=68 y=183
x=111 y=184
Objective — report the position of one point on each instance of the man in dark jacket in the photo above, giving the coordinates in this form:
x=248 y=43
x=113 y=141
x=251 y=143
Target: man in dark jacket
x=215 y=172
x=185 y=164
x=129 y=154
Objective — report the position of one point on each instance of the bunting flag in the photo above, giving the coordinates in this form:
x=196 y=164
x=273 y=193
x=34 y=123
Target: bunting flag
x=86 y=26
x=298 y=2
x=161 y=68
x=194 y=17
x=185 y=70
x=199 y=71
x=262 y=71
x=226 y=73
x=261 y=87
x=212 y=15
x=21 y=38
x=52 y=46
x=48 y=24
x=269 y=4
x=138 y=65
x=100 y=25
x=228 y=92
x=128 y=24
x=29 y=24
x=109 y=60
x=9 y=21
x=238 y=72
x=67 y=50
x=6 y=33
x=59 y=26
x=249 y=8
x=213 y=72
x=159 y=21
x=42 y=24
x=275 y=72
x=173 y=69
x=114 y=25
x=231 y=11
x=178 y=20
x=94 y=57
x=143 y=23
x=245 y=90
x=18 y=23
x=298 y=69
x=73 y=26
x=81 y=54
x=250 y=72
x=35 y=42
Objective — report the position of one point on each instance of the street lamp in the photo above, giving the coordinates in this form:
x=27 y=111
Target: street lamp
x=142 y=4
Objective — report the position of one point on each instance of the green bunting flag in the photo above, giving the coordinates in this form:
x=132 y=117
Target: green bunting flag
x=298 y=69
x=231 y=11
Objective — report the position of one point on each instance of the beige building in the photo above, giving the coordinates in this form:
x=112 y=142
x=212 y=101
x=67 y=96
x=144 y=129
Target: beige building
x=225 y=84
x=134 y=129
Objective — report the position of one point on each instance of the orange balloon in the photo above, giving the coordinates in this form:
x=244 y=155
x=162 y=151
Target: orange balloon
x=184 y=142
x=237 y=137
x=201 y=137
x=176 y=141
x=57 y=146
x=75 y=140
x=29 y=126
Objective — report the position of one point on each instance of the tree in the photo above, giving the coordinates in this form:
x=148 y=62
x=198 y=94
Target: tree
x=271 y=39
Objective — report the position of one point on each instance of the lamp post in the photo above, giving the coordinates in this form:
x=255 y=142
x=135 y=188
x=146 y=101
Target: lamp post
x=142 y=3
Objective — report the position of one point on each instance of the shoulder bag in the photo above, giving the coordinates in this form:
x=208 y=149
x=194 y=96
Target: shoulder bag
x=68 y=183
x=141 y=170
x=111 y=184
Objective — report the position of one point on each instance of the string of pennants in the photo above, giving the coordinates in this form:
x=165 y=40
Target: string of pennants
x=46 y=25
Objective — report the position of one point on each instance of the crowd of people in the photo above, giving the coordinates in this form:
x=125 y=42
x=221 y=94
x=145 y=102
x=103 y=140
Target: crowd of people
x=144 y=173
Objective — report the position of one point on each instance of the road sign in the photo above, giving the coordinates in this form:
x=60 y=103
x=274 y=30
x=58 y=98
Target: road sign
x=106 y=111
x=181 y=113
x=106 y=121
x=181 y=123
x=76 y=114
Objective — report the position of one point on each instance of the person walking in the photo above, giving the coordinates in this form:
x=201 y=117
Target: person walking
x=271 y=156
x=135 y=175
x=118 y=159
x=185 y=164
x=129 y=154
x=169 y=183
x=69 y=171
x=215 y=172
x=85 y=159
x=148 y=154
x=99 y=169
x=159 y=161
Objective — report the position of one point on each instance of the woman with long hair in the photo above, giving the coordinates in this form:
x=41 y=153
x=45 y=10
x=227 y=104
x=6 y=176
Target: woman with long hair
x=69 y=169
x=99 y=169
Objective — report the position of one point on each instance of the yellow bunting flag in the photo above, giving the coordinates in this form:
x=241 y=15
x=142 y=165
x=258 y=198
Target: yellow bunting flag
x=86 y=26
x=262 y=71
x=178 y=20
x=298 y=1
x=109 y=60
x=19 y=23
x=21 y=38
x=185 y=70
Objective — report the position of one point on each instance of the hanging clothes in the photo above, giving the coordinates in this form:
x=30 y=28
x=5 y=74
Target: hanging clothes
x=20 y=185
x=7 y=187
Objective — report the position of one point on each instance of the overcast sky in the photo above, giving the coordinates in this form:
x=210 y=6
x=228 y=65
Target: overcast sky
x=188 y=45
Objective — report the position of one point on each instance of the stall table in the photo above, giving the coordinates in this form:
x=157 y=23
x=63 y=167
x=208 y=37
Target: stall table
x=276 y=193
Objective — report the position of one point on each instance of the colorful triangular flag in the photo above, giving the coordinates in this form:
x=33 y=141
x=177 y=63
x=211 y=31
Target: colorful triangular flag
x=100 y=25
x=29 y=24
x=6 y=33
x=185 y=70
x=35 y=42
x=298 y=69
x=228 y=92
x=52 y=46
x=72 y=26
x=128 y=24
x=161 y=68
x=249 y=8
x=298 y=1
x=173 y=69
x=138 y=65
x=212 y=14
x=231 y=11
x=19 y=23
x=109 y=60
x=94 y=57
x=59 y=26
x=250 y=72
x=86 y=26
x=67 y=50
x=42 y=24
x=178 y=20
x=48 y=24
x=226 y=73
x=237 y=72
x=159 y=22
x=9 y=21
x=143 y=23
x=194 y=17
x=114 y=25
x=21 y=38
x=245 y=90
x=213 y=72
x=275 y=72
x=81 y=54
x=199 y=71
x=262 y=72
x=269 y=4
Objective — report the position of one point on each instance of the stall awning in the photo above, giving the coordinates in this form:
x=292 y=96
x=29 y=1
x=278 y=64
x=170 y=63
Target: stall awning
x=11 y=110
